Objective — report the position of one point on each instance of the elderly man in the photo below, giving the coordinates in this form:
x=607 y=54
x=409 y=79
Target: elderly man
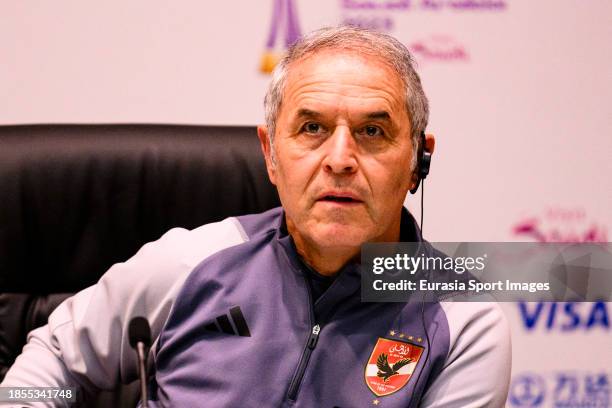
x=265 y=310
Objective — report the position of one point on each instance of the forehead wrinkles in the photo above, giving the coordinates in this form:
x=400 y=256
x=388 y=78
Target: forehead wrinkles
x=341 y=95
x=344 y=78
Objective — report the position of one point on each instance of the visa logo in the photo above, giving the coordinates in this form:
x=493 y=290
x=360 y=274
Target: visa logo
x=564 y=316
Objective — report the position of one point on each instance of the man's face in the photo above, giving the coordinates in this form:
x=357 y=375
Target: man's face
x=342 y=150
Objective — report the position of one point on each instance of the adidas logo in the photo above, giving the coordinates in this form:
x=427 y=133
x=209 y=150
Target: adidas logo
x=234 y=324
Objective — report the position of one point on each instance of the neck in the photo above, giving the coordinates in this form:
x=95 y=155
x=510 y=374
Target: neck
x=328 y=260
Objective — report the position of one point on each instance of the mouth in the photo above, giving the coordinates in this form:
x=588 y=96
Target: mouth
x=339 y=198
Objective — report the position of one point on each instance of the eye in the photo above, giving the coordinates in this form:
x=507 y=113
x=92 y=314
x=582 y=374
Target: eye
x=312 y=127
x=372 y=131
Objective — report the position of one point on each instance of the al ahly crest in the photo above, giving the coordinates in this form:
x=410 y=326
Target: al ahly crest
x=391 y=365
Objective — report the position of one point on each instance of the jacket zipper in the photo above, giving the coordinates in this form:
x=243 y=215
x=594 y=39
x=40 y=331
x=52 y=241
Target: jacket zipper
x=294 y=386
x=313 y=337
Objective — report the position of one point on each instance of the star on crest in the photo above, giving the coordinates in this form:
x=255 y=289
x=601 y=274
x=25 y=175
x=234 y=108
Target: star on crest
x=392 y=333
x=401 y=336
x=376 y=402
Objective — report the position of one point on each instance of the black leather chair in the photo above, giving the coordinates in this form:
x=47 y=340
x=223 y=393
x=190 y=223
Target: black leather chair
x=74 y=199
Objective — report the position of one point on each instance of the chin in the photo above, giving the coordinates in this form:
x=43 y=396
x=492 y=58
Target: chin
x=339 y=235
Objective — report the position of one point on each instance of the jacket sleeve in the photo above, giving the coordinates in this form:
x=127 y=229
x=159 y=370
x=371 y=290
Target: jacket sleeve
x=85 y=343
x=477 y=369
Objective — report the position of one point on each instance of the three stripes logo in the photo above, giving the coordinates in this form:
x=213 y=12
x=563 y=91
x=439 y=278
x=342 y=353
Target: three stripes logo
x=235 y=324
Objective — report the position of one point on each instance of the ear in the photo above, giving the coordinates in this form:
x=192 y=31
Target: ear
x=264 y=142
x=430 y=143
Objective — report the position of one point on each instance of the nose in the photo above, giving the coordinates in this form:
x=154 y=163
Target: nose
x=340 y=157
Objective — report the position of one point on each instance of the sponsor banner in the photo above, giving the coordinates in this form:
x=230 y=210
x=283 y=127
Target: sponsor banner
x=564 y=317
x=559 y=348
x=560 y=389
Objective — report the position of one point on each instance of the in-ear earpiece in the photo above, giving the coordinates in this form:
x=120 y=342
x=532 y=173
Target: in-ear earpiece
x=423 y=164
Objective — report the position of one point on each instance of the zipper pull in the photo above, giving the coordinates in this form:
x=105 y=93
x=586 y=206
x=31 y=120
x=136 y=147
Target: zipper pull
x=314 y=336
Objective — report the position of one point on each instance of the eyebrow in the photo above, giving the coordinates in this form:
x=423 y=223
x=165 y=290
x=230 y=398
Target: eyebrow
x=307 y=113
x=379 y=115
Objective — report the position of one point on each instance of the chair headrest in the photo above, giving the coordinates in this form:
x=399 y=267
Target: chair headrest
x=74 y=199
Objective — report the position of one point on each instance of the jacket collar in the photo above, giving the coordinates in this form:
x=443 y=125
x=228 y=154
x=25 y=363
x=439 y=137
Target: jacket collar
x=347 y=283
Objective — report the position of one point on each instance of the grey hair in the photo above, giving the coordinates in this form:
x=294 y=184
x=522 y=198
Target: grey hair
x=361 y=40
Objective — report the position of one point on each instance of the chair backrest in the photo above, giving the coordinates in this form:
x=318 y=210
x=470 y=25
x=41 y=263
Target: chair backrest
x=74 y=199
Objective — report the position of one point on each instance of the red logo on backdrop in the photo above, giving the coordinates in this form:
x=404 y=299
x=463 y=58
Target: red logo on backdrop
x=559 y=224
x=439 y=48
x=391 y=365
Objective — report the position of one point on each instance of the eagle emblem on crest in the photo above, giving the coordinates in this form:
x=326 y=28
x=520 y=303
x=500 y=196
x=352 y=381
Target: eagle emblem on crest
x=385 y=371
